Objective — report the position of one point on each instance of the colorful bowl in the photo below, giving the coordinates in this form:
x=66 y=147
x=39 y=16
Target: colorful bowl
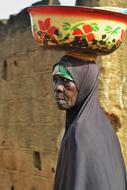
x=83 y=29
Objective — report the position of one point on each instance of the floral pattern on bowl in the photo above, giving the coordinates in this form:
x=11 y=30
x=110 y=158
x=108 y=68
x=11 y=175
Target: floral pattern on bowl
x=87 y=33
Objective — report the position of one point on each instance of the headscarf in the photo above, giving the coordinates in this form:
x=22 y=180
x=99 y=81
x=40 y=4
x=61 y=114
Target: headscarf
x=62 y=71
x=85 y=76
x=90 y=157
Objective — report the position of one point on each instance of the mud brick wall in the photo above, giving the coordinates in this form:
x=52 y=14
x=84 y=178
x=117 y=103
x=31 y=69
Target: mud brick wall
x=30 y=124
x=113 y=84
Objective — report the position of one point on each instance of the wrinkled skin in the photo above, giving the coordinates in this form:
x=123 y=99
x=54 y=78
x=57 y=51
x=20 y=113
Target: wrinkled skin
x=65 y=92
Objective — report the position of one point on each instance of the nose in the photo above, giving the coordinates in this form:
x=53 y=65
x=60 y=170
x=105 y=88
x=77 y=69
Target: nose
x=58 y=87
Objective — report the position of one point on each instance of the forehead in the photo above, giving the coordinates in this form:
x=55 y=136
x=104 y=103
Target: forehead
x=58 y=79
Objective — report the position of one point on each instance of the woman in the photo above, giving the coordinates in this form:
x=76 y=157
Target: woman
x=90 y=155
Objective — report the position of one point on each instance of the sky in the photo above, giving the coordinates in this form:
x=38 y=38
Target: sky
x=10 y=7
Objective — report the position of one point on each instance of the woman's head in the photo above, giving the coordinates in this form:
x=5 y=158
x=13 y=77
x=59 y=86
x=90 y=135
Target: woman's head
x=65 y=89
x=83 y=75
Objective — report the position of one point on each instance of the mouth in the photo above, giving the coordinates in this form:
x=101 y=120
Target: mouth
x=60 y=100
x=61 y=103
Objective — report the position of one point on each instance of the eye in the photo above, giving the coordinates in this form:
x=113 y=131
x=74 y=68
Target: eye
x=54 y=79
x=66 y=82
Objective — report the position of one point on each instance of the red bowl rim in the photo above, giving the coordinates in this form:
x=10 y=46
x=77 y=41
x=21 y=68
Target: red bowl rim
x=78 y=11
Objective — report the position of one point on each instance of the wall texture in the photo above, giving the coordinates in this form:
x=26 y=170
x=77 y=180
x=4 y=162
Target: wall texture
x=113 y=84
x=31 y=126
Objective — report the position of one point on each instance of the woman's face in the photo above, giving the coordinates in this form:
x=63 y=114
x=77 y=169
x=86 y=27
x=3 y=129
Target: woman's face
x=65 y=92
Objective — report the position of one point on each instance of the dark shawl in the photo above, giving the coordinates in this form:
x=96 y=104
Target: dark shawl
x=90 y=156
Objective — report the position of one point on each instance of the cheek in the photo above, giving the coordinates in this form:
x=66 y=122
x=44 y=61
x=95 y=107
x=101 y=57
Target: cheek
x=73 y=97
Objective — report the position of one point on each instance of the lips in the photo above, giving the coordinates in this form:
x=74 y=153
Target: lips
x=61 y=101
x=60 y=98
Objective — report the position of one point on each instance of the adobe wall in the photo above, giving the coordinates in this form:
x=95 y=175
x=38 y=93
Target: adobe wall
x=30 y=124
x=113 y=84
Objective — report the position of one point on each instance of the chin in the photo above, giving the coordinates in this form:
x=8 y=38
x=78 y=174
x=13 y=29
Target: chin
x=61 y=107
x=64 y=107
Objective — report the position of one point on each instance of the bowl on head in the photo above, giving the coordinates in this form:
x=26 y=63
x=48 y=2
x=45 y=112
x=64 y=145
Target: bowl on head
x=83 y=29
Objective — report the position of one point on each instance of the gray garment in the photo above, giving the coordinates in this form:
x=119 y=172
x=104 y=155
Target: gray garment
x=90 y=156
